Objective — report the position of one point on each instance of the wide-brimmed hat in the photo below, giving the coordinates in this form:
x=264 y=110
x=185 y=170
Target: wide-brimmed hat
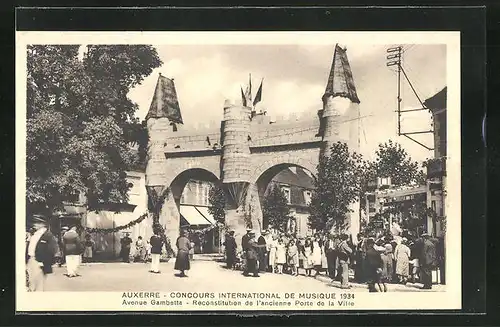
x=249 y=230
x=64 y=228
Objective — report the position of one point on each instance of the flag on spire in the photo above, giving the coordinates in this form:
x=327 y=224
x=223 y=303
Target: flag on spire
x=243 y=97
x=258 y=96
x=248 y=93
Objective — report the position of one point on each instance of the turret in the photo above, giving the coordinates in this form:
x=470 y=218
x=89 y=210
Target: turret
x=340 y=95
x=236 y=163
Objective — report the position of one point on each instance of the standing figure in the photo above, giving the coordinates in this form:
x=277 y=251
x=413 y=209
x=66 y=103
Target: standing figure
x=125 y=243
x=148 y=252
x=252 y=255
x=182 y=259
x=373 y=265
x=156 y=247
x=344 y=252
x=140 y=250
x=293 y=257
x=88 y=251
x=230 y=249
x=427 y=260
x=244 y=245
x=62 y=256
x=272 y=252
x=308 y=261
x=387 y=266
x=359 y=272
x=331 y=255
x=316 y=254
x=262 y=252
x=280 y=255
x=40 y=252
x=402 y=255
x=72 y=251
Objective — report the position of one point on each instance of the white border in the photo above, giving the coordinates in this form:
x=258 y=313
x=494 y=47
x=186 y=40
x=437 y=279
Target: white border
x=111 y=301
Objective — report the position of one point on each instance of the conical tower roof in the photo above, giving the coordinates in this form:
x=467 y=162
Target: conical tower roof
x=340 y=80
x=165 y=103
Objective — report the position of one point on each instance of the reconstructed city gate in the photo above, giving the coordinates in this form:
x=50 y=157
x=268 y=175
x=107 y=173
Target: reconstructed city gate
x=246 y=150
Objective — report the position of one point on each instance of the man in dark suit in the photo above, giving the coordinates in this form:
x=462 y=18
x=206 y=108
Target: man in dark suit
x=372 y=265
x=40 y=255
x=252 y=255
x=262 y=252
x=427 y=259
x=156 y=247
x=230 y=249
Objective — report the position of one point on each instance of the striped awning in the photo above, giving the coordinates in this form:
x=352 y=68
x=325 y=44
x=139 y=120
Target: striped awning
x=196 y=216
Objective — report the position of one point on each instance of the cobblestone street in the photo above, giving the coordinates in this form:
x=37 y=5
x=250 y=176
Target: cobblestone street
x=204 y=276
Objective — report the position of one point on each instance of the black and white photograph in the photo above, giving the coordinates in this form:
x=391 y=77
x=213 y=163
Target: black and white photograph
x=223 y=171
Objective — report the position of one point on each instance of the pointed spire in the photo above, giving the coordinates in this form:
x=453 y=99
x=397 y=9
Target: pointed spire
x=165 y=103
x=340 y=81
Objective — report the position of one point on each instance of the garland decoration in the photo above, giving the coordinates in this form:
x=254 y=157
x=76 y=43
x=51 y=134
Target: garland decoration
x=117 y=228
x=157 y=196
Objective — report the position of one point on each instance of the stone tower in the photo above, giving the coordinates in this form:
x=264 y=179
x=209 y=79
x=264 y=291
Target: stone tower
x=235 y=164
x=340 y=115
x=162 y=120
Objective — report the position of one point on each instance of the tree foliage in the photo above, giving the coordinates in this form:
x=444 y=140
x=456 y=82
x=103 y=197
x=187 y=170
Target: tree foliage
x=77 y=116
x=217 y=200
x=337 y=186
x=393 y=161
x=275 y=210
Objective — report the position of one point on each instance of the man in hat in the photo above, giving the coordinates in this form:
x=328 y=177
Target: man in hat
x=62 y=257
x=263 y=257
x=252 y=255
x=245 y=238
x=156 y=247
x=427 y=259
x=72 y=251
x=230 y=249
x=125 y=243
x=344 y=253
x=41 y=251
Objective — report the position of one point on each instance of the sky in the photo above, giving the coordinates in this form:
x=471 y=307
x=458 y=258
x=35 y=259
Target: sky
x=295 y=78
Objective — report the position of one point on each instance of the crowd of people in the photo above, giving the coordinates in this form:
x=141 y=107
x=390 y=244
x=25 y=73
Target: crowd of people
x=44 y=249
x=375 y=259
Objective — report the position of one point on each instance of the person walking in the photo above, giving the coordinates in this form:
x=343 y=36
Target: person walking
x=427 y=260
x=402 y=256
x=182 y=260
x=359 y=272
x=344 y=252
x=230 y=249
x=72 y=251
x=125 y=243
x=156 y=243
x=40 y=253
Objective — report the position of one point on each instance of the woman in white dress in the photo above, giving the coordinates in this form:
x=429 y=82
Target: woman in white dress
x=272 y=252
x=280 y=255
x=316 y=254
x=308 y=257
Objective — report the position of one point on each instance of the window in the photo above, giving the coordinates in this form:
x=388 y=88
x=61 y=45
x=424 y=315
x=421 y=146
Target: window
x=307 y=197
x=286 y=191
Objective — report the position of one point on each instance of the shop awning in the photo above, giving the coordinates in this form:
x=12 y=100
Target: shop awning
x=206 y=214
x=193 y=216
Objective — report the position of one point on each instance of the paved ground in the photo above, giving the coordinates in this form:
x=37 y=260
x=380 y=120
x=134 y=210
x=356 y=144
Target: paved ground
x=206 y=276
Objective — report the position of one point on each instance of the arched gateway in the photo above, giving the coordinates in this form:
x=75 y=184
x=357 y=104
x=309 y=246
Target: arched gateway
x=246 y=150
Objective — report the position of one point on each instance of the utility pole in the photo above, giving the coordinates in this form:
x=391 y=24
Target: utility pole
x=394 y=58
